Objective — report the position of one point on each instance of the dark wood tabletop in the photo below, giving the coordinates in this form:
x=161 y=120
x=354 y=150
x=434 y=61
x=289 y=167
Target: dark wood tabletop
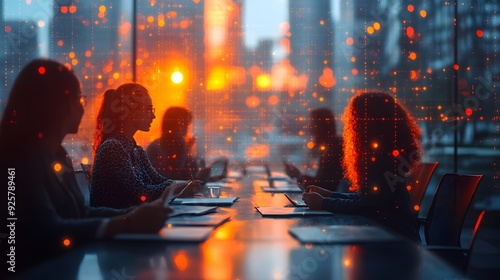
x=249 y=246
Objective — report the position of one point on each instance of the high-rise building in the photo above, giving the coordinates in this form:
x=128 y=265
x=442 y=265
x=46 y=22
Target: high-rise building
x=85 y=36
x=20 y=46
x=311 y=50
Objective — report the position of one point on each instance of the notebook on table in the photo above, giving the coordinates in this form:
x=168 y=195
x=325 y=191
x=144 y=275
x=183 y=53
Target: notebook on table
x=221 y=201
x=171 y=234
x=213 y=220
x=290 y=212
x=282 y=186
x=296 y=199
x=346 y=234
x=191 y=210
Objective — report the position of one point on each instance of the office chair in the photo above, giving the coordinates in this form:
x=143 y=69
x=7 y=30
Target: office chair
x=417 y=182
x=482 y=258
x=451 y=201
x=83 y=185
x=87 y=169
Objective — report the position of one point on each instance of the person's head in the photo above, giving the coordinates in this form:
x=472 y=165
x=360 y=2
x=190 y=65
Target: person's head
x=128 y=107
x=379 y=133
x=176 y=121
x=44 y=105
x=322 y=124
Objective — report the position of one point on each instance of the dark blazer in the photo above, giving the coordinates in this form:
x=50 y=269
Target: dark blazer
x=389 y=205
x=50 y=209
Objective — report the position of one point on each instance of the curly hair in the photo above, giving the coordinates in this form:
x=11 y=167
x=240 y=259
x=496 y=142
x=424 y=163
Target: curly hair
x=378 y=130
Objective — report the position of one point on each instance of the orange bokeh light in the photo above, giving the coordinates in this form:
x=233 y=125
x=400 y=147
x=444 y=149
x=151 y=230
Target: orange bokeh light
x=410 y=32
x=252 y=101
x=66 y=242
x=181 y=260
x=410 y=8
x=57 y=167
x=273 y=100
x=263 y=81
x=257 y=151
x=468 y=112
x=349 y=41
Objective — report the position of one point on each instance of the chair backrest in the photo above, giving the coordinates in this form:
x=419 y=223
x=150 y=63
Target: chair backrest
x=449 y=208
x=218 y=169
x=87 y=168
x=83 y=185
x=417 y=182
x=484 y=251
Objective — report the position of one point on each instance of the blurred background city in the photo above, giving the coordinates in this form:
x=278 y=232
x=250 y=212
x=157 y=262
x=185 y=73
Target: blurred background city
x=252 y=70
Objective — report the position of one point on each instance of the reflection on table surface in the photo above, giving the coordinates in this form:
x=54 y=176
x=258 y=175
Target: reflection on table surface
x=249 y=246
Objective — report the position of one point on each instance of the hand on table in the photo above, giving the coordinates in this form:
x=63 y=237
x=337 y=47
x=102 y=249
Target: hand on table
x=313 y=200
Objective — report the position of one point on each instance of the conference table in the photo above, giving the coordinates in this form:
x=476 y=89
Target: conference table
x=250 y=246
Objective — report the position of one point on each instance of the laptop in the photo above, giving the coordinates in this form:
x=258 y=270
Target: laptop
x=296 y=199
x=270 y=177
x=218 y=169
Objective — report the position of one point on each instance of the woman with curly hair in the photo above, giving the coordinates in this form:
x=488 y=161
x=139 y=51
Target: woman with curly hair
x=381 y=145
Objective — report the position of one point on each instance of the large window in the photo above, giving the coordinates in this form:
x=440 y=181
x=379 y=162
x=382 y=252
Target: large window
x=251 y=70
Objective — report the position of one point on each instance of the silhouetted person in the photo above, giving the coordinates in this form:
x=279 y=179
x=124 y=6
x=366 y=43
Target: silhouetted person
x=44 y=105
x=171 y=154
x=122 y=174
x=381 y=144
x=330 y=171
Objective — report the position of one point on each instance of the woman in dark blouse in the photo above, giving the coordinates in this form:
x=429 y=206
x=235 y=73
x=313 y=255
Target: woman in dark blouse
x=381 y=144
x=122 y=174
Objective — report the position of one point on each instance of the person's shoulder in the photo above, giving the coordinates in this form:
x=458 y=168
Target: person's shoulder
x=153 y=146
x=110 y=144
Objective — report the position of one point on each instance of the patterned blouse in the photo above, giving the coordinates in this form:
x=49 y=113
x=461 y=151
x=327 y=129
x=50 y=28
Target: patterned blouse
x=123 y=176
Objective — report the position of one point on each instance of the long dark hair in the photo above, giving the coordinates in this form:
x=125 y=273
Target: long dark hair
x=378 y=130
x=324 y=120
x=115 y=110
x=38 y=103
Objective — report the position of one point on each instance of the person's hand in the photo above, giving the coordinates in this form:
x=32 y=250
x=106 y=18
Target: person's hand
x=321 y=191
x=291 y=171
x=313 y=200
x=189 y=190
x=147 y=218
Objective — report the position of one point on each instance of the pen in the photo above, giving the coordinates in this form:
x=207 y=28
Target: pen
x=171 y=197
